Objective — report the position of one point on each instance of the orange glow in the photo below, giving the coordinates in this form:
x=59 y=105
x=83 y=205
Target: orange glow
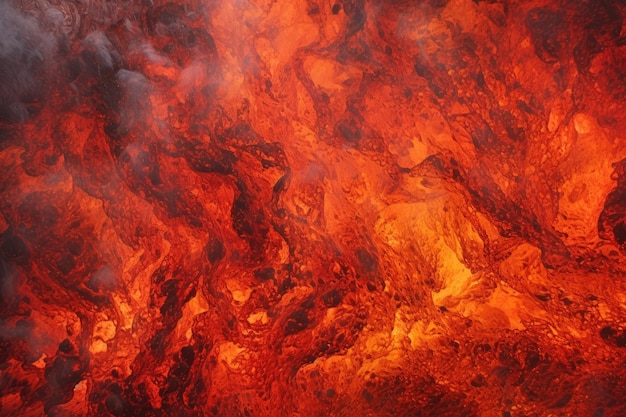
x=309 y=208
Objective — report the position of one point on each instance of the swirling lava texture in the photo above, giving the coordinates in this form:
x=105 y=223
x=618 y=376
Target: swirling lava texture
x=308 y=208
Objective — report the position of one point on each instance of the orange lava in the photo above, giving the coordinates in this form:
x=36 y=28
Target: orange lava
x=303 y=208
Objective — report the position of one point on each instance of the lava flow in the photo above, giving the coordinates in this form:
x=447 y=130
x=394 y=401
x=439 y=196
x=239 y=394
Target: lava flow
x=313 y=208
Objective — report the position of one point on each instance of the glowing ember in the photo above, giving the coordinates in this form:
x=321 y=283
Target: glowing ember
x=293 y=208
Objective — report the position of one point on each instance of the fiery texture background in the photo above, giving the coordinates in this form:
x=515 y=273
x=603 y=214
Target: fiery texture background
x=309 y=208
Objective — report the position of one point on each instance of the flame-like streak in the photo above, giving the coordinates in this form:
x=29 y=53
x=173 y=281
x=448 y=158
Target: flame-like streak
x=300 y=208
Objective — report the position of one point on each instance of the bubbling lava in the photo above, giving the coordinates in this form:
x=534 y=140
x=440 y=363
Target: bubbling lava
x=308 y=208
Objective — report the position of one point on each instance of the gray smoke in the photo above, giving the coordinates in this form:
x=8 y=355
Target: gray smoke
x=98 y=52
x=24 y=50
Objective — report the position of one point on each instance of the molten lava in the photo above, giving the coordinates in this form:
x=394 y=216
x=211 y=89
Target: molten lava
x=308 y=208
